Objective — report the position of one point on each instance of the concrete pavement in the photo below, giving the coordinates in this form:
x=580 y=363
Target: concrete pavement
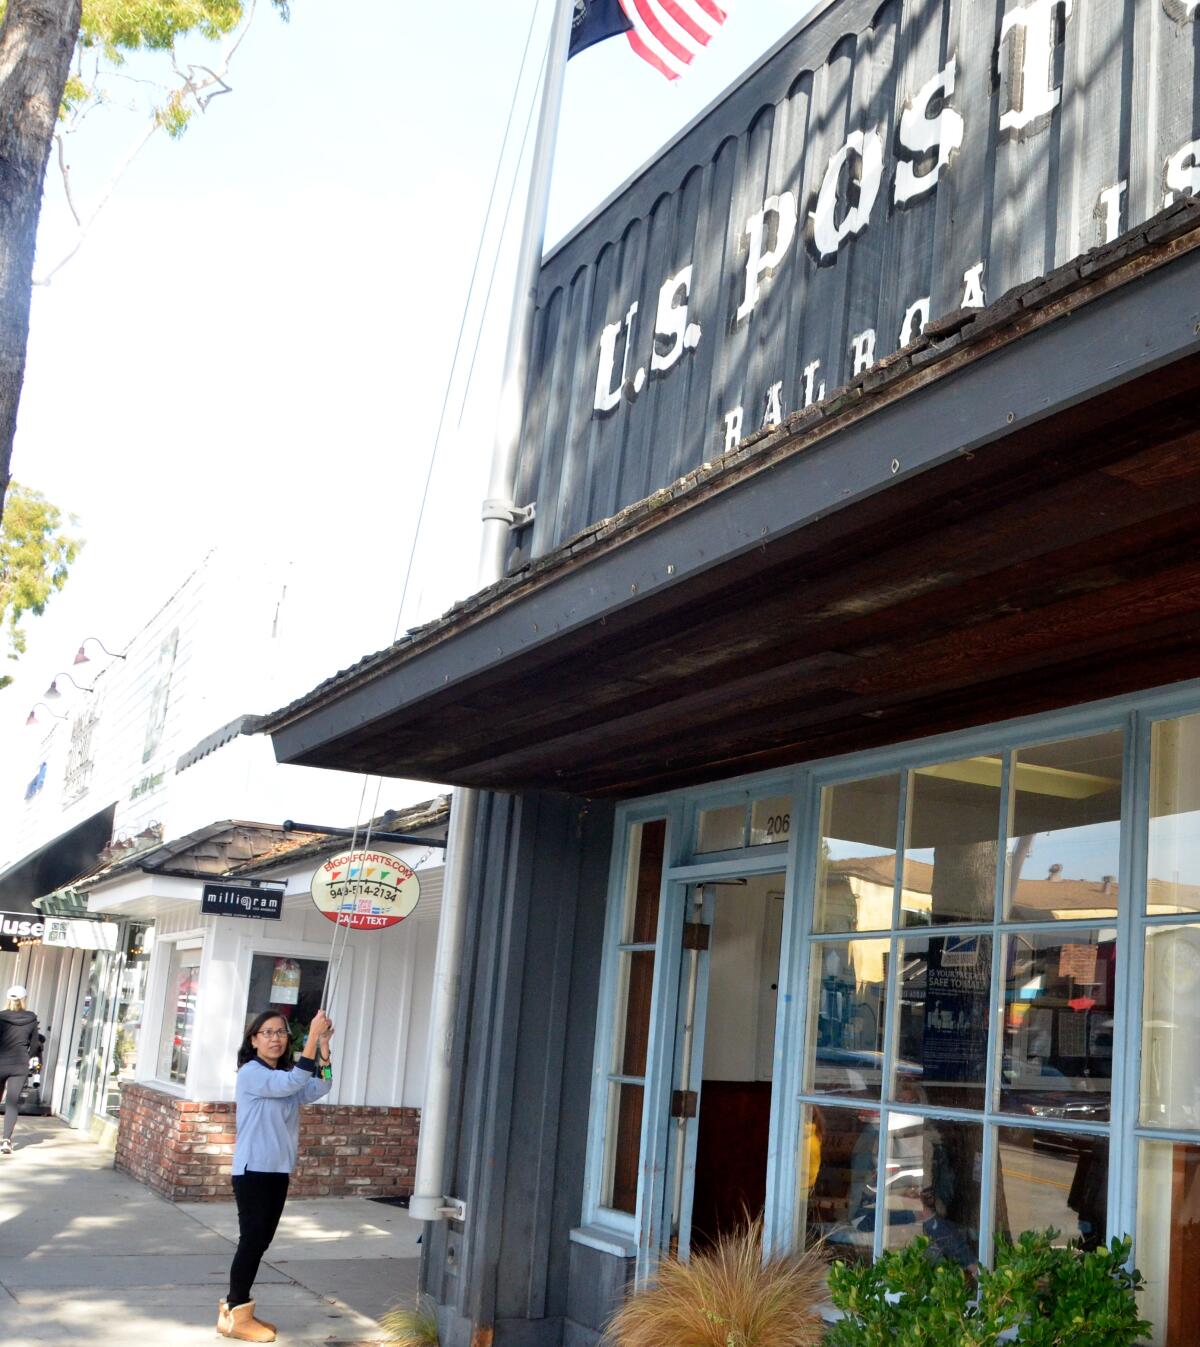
x=91 y=1257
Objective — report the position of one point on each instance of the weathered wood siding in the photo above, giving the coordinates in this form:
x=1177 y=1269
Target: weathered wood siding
x=1018 y=200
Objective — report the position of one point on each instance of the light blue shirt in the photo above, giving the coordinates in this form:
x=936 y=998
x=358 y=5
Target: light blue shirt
x=268 y=1115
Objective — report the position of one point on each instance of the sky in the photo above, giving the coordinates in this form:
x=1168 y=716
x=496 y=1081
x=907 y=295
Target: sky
x=252 y=346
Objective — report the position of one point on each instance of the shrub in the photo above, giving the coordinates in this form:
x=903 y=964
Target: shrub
x=1038 y=1295
x=727 y=1297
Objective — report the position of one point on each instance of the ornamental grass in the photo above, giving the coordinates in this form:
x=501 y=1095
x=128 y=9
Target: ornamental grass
x=727 y=1297
x=412 y=1325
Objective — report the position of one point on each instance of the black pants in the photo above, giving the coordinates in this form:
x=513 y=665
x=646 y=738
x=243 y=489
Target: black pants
x=260 y=1199
x=11 y=1095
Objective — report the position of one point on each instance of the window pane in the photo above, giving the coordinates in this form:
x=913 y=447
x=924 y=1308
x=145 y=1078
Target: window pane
x=623 y=1134
x=856 y=872
x=942 y=1034
x=1174 y=868
x=846 y=1006
x=130 y=999
x=635 y=984
x=1168 y=1241
x=1065 y=840
x=179 y=1014
x=722 y=829
x=1171 y=1028
x=838 y=1179
x=1052 y=1179
x=771 y=820
x=292 y=987
x=933 y=1178
x=1058 y=1025
x=952 y=848
x=643 y=881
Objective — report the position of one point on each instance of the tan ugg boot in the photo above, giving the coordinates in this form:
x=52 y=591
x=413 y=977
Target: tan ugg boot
x=245 y=1327
x=225 y=1320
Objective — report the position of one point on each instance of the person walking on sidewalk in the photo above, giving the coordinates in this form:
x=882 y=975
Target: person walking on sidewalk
x=270 y=1091
x=18 y=1034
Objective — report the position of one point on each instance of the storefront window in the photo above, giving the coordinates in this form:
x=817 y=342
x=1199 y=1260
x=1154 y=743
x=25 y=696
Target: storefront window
x=933 y=1179
x=1052 y=1180
x=1168 y=1240
x=1065 y=838
x=837 y=1169
x=292 y=987
x=130 y=1004
x=179 y=1013
x=952 y=849
x=856 y=876
x=1058 y=1025
x=631 y=1026
x=942 y=1043
x=1171 y=1028
x=846 y=1005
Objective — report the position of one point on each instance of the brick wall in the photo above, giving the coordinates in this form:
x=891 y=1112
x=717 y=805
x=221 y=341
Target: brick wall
x=184 y=1149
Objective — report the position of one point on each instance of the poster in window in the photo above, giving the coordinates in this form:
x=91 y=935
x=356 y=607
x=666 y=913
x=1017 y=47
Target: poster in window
x=285 y=982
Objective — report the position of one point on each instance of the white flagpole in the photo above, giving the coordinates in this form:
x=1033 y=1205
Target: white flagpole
x=429 y=1201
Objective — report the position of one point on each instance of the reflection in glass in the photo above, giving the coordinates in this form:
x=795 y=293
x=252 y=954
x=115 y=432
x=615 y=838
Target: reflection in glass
x=1168 y=1240
x=934 y=1168
x=1052 y=1179
x=131 y=992
x=952 y=848
x=1173 y=882
x=771 y=820
x=722 y=829
x=624 y=1133
x=942 y=1033
x=856 y=873
x=643 y=880
x=838 y=1180
x=179 y=1016
x=1058 y=1024
x=1171 y=1028
x=847 y=987
x=1065 y=838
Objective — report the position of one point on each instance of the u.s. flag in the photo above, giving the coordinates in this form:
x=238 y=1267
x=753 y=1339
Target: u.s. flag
x=666 y=34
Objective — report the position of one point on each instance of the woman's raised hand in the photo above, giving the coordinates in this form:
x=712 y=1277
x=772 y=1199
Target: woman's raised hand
x=321 y=1025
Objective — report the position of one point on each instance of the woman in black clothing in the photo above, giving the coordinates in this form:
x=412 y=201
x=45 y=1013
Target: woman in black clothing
x=18 y=1034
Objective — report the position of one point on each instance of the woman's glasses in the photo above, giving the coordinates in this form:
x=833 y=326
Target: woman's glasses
x=272 y=1033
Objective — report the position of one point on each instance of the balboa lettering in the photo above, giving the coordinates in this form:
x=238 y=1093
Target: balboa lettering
x=852 y=192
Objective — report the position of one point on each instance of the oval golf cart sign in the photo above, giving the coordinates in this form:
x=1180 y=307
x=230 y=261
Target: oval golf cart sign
x=365 y=890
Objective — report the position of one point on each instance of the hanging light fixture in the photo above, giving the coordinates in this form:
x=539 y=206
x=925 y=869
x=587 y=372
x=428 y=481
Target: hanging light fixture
x=81 y=656
x=52 y=691
x=32 y=719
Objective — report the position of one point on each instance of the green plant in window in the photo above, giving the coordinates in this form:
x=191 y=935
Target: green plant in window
x=1039 y=1294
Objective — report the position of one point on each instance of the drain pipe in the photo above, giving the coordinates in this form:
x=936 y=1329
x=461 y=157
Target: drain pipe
x=500 y=515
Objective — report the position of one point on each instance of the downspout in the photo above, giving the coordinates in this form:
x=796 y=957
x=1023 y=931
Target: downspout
x=500 y=515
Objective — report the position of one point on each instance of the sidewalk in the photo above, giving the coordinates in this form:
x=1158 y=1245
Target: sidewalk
x=90 y=1257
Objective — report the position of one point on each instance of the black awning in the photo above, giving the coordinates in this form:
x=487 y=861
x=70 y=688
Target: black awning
x=56 y=864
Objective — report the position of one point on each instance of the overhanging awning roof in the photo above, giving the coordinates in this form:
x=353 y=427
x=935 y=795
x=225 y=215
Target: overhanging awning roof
x=998 y=520
x=56 y=864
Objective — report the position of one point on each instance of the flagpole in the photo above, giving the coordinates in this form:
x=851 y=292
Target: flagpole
x=499 y=508
x=429 y=1201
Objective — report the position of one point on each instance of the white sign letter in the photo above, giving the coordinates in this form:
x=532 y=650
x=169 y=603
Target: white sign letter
x=759 y=263
x=607 y=396
x=813 y=393
x=915 y=318
x=774 y=414
x=1035 y=31
x=671 y=324
x=1183 y=172
x=733 y=428
x=973 y=288
x=863 y=349
x=828 y=235
x=1108 y=208
x=922 y=134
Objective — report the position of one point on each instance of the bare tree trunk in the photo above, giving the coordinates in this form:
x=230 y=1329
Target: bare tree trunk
x=37 y=38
